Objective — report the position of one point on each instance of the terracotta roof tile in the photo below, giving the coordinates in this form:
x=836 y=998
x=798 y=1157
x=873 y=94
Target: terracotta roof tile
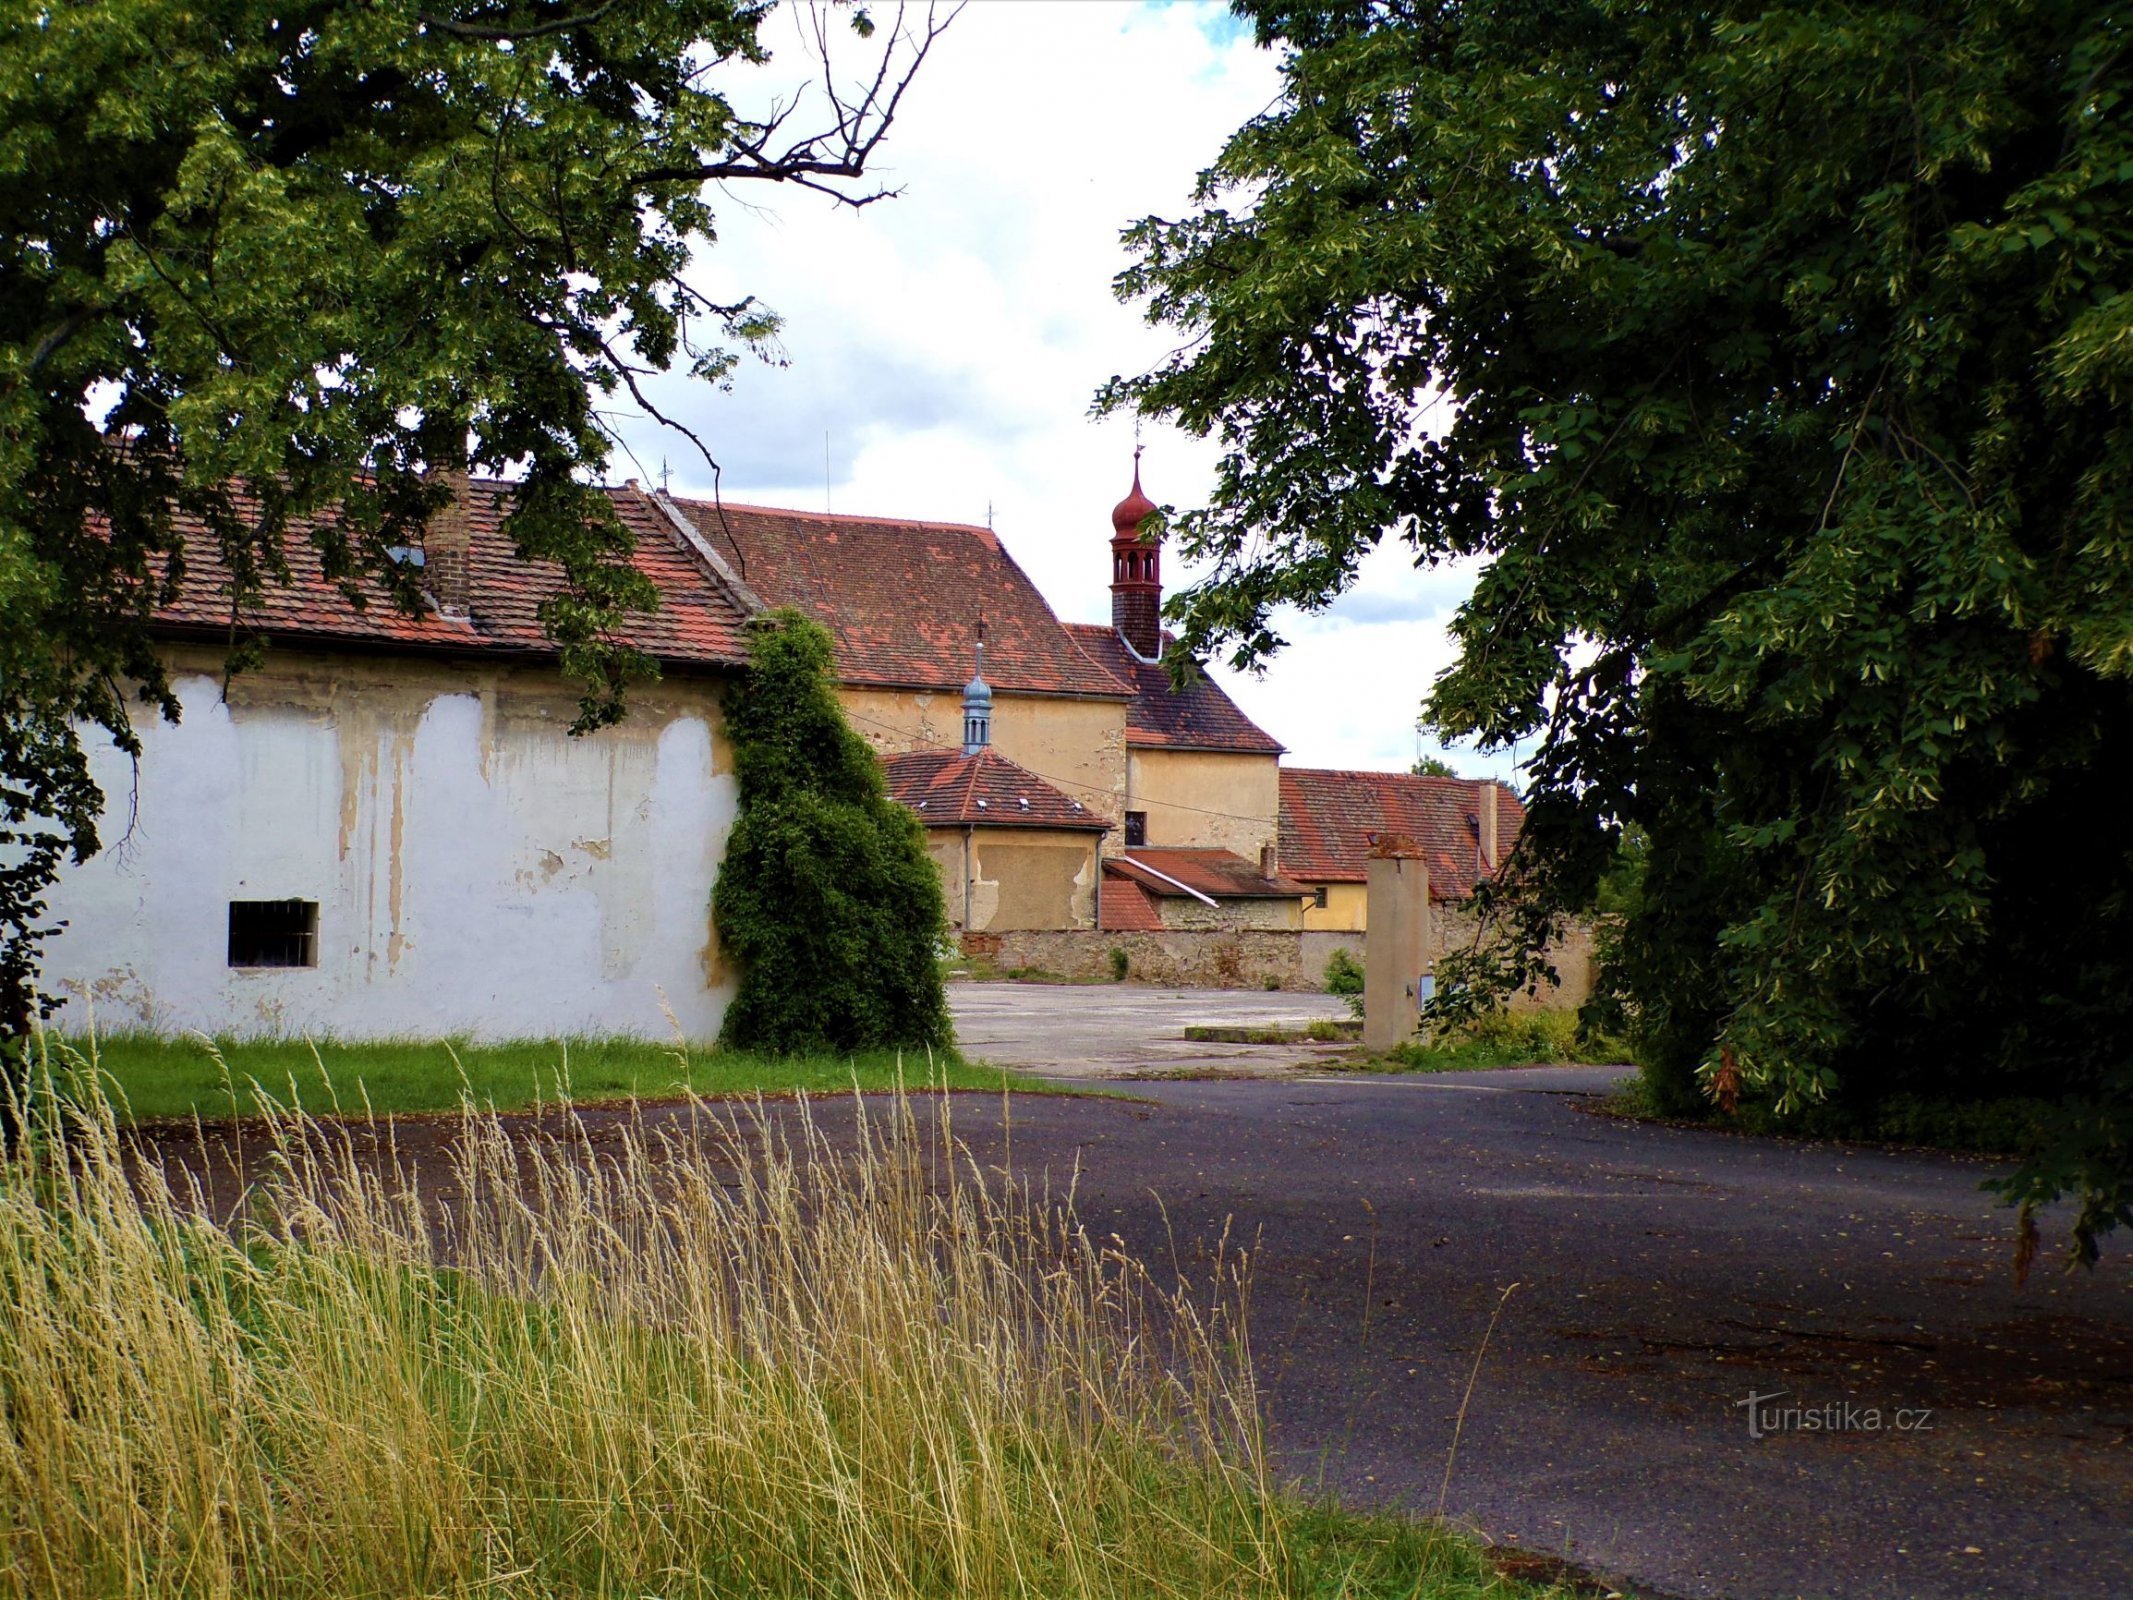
x=902 y=598
x=1126 y=907
x=1327 y=819
x=946 y=787
x=1198 y=717
x=697 y=621
x=1218 y=874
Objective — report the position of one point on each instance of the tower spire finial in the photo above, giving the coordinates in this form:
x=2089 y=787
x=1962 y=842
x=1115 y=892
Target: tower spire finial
x=977 y=700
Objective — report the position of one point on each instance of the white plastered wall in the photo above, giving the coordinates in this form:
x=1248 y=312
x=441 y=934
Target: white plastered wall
x=477 y=870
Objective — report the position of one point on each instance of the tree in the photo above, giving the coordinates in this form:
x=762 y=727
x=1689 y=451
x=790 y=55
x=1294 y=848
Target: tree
x=1433 y=767
x=262 y=262
x=1788 y=353
x=827 y=899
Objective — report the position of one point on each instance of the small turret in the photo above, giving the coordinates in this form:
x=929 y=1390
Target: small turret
x=977 y=703
x=1136 y=573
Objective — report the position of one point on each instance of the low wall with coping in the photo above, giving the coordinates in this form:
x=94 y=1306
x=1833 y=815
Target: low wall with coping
x=1242 y=958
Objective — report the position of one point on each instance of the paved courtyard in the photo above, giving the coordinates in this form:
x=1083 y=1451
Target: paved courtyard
x=1935 y=1428
x=1115 y=1030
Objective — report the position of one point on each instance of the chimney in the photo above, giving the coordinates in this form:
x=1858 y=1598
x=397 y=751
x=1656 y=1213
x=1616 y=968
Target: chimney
x=1136 y=573
x=445 y=551
x=1267 y=862
x=1490 y=846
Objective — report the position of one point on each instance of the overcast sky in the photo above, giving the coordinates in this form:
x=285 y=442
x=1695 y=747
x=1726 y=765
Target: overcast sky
x=944 y=346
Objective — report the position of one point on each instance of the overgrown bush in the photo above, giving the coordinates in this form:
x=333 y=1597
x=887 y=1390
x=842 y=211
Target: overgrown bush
x=1344 y=977
x=827 y=900
x=1119 y=963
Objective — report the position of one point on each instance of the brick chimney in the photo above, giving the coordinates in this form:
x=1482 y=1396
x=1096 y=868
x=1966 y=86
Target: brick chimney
x=446 y=557
x=1269 y=862
x=1491 y=846
x=1136 y=573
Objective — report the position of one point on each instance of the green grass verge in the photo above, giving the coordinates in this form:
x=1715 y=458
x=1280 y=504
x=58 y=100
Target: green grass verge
x=1507 y=1039
x=149 y=1077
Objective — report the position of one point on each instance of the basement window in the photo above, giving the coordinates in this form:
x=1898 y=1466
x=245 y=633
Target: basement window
x=1136 y=829
x=273 y=933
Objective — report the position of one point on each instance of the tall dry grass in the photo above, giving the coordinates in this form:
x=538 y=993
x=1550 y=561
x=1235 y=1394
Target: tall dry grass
x=721 y=1356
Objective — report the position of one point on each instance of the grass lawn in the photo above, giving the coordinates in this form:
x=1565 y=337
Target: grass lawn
x=150 y=1076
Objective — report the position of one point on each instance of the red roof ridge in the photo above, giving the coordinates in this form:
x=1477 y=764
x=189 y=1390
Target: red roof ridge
x=987 y=535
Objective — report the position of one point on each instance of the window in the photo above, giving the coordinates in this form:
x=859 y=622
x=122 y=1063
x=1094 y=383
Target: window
x=1318 y=898
x=273 y=933
x=1136 y=829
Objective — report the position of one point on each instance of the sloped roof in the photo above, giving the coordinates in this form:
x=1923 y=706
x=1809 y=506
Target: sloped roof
x=946 y=787
x=1327 y=818
x=1198 y=717
x=1218 y=874
x=697 y=621
x=1126 y=908
x=902 y=598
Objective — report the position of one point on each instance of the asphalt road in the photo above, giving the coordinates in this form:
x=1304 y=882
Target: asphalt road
x=1127 y=1030
x=1663 y=1277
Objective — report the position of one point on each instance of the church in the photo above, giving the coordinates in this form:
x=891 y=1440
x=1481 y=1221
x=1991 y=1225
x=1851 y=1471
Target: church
x=387 y=828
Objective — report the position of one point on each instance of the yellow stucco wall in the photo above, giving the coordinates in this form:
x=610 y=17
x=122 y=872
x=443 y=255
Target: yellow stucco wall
x=1019 y=878
x=1346 y=909
x=1200 y=797
x=1077 y=746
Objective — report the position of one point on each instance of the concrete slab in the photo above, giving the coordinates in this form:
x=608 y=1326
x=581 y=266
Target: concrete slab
x=1126 y=1030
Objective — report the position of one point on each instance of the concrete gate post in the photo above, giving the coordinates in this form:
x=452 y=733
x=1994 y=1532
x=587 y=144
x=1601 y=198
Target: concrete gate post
x=1397 y=916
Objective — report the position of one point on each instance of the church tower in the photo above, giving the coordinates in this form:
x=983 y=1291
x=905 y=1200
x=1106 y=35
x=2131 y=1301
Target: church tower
x=1136 y=573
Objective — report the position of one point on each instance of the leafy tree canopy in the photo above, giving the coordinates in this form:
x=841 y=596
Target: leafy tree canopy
x=322 y=251
x=1778 y=360
x=827 y=899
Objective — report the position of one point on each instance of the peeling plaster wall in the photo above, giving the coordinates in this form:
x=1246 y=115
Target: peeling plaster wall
x=1077 y=746
x=477 y=870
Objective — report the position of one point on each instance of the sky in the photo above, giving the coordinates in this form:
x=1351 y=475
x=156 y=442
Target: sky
x=941 y=349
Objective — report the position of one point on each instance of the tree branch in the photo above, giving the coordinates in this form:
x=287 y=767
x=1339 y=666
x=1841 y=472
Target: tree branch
x=499 y=34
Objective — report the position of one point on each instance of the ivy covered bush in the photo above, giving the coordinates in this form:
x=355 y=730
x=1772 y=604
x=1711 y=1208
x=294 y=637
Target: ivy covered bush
x=827 y=900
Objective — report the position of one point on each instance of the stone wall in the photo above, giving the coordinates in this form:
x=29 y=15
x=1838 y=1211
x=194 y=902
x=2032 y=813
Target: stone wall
x=1244 y=958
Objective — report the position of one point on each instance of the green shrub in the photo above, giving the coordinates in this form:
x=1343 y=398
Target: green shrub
x=1118 y=963
x=1344 y=977
x=827 y=899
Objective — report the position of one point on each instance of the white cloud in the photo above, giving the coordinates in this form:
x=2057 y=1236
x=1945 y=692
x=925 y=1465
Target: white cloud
x=945 y=345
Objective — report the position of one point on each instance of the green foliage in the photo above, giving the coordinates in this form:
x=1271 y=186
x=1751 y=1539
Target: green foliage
x=265 y=262
x=827 y=899
x=1790 y=354
x=1502 y=1038
x=1344 y=977
x=1433 y=767
x=1119 y=963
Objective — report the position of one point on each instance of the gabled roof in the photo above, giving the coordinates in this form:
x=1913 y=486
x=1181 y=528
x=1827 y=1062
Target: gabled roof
x=1197 y=717
x=902 y=598
x=1214 y=874
x=947 y=788
x=1328 y=817
x=698 y=620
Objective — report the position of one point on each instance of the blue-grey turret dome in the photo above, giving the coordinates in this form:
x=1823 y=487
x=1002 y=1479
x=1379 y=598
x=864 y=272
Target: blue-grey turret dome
x=977 y=703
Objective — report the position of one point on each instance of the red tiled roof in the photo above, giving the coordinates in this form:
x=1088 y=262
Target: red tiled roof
x=1126 y=907
x=902 y=598
x=697 y=620
x=1327 y=819
x=1198 y=717
x=947 y=787
x=1218 y=874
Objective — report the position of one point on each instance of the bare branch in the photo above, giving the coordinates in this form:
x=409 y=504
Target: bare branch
x=837 y=153
x=501 y=33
